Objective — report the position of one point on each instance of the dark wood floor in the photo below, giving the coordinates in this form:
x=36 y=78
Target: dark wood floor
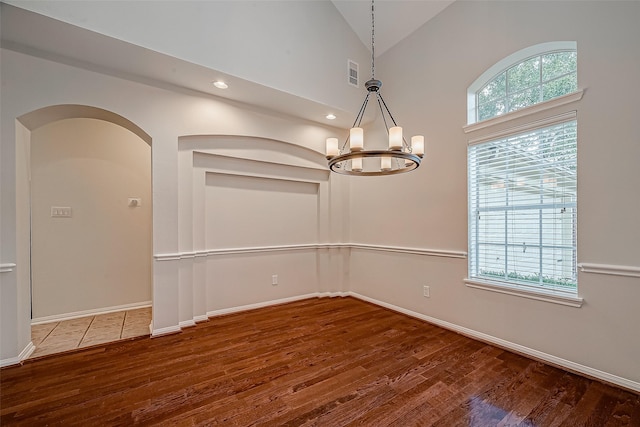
x=323 y=362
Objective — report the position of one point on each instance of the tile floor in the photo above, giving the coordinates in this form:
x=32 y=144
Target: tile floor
x=57 y=337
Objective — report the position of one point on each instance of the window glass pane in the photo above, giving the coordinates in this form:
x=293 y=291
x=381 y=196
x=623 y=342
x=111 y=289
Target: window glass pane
x=559 y=270
x=557 y=226
x=523 y=230
x=492 y=261
x=524 y=75
x=522 y=99
x=491 y=226
x=559 y=87
x=491 y=109
x=524 y=266
x=534 y=80
x=558 y=64
x=496 y=88
x=522 y=208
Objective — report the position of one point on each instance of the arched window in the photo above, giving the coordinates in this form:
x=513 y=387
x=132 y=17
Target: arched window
x=528 y=77
x=522 y=181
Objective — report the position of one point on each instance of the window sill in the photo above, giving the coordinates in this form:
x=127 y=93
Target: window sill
x=555 y=297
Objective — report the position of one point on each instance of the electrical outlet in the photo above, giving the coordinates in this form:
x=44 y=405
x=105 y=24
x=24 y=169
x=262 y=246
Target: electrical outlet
x=425 y=291
x=274 y=279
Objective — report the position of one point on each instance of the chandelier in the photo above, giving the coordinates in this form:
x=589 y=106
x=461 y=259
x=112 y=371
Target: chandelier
x=353 y=159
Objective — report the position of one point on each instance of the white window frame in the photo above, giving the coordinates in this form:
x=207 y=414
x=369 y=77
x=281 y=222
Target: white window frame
x=502 y=65
x=494 y=128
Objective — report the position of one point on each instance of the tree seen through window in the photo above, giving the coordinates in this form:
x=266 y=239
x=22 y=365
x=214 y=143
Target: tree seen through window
x=531 y=81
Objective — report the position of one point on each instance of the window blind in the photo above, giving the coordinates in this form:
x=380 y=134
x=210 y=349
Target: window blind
x=522 y=208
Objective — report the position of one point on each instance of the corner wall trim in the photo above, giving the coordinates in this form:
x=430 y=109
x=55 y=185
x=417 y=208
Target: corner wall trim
x=7 y=267
x=614 y=270
x=24 y=354
x=517 y=348
x=310 y=246
x=92 y=312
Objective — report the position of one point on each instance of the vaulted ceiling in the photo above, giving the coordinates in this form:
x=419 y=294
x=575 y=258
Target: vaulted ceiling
x=59 y=41
x=394 y=19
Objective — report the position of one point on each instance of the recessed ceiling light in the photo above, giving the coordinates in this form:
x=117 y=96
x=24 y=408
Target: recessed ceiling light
x=330 y=116
x=220 y=84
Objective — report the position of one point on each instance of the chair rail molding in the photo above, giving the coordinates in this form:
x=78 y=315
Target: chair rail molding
x=7 y=267
x=414 y=251
x=614 y=270
x=310 y=246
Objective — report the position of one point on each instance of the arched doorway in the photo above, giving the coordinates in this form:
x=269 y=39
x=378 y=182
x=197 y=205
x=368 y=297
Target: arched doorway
x=90 y=226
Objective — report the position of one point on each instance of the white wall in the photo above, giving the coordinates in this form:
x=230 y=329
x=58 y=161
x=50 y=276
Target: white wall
x=100 y=258
x=29 y=84
x=251 y=208
x=426 y=78
x=246 y=211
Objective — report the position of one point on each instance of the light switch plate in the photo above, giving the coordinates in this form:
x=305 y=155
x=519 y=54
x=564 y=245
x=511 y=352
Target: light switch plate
x=60 y=212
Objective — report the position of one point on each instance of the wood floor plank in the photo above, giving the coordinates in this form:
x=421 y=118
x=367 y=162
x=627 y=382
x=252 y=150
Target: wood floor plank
x=322 y=362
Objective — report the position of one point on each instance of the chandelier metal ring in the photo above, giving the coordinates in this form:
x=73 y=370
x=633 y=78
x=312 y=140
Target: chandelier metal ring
x=336 y=164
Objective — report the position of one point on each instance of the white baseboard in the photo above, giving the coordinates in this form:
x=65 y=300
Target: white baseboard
x=214 y=313
x=93 y=312
x=260 y=305
x=332 y=294
x=164 y=331
x=24 y=354
x=516 y=348
x=199 y=319
x=187 y=324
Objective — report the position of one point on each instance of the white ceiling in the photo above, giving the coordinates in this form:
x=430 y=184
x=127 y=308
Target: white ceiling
x=55 y=40
x=394 y=19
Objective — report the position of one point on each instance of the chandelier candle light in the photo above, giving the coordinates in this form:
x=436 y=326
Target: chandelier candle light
x=354 y=159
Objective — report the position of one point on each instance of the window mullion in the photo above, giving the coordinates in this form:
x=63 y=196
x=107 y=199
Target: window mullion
x=506 y=221
x=541 y=183
x=540 y=91
x=475 y=184
x=507 y=91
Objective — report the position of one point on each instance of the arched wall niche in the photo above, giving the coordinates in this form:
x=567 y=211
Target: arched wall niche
x=253 y=215
x=27 y=125
x=254 y=148
x=45 y=115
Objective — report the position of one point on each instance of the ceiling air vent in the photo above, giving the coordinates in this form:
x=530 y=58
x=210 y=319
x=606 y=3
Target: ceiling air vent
x=352 y=70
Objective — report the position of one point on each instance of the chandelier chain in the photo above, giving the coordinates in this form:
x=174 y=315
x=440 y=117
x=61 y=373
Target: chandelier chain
x=373 y=45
